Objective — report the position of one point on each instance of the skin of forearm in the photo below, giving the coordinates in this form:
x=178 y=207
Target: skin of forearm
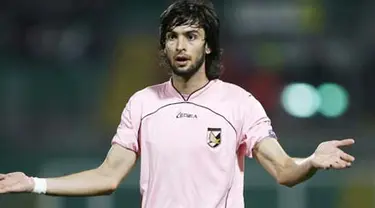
x=87 y=183
x=295 y=171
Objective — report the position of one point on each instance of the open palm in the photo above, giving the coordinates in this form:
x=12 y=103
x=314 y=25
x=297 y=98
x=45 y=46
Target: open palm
x=15 y=183
x=329 y=155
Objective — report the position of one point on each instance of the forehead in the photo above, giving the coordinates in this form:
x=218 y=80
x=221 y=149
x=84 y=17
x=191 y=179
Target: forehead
x=187 y=28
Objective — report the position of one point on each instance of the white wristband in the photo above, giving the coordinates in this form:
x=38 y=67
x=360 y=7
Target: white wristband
x=40 y=186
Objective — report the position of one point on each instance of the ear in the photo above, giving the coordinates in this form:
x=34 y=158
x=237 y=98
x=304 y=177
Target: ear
x=207 y=49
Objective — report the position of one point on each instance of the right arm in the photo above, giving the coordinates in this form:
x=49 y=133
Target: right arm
x=99 y=181
x=102 y=180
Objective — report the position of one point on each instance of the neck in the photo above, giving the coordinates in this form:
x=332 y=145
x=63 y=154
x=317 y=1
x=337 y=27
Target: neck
x=191 y=84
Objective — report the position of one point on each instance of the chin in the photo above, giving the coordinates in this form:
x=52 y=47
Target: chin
x=182 y=68
x=184 y=71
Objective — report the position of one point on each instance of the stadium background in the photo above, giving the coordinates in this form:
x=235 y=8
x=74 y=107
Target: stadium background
x=68 y=68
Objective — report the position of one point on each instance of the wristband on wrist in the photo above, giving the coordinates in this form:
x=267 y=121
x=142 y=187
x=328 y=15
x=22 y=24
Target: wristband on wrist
x=40 y=185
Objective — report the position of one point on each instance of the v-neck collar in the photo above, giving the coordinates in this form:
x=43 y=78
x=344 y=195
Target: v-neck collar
x=192 y=95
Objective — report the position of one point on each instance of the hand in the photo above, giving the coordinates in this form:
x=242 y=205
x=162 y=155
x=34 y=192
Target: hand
x=328 y=155
x=15 y=183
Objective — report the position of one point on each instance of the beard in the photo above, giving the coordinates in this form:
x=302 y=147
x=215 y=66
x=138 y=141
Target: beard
x=190 y=71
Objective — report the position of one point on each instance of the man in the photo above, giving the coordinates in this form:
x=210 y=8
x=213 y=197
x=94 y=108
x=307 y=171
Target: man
x=191 y=133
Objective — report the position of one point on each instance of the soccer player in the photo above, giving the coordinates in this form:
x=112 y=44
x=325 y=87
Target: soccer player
x=190 y=133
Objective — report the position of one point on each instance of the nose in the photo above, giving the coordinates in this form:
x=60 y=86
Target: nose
x=181 y=44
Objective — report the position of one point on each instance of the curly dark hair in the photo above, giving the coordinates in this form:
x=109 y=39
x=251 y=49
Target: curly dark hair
x=200 y=13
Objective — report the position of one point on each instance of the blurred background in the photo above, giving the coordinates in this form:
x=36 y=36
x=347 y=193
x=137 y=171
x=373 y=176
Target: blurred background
x=67 y=69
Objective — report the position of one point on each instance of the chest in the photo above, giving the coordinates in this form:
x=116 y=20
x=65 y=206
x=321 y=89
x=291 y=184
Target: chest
x=189 y=128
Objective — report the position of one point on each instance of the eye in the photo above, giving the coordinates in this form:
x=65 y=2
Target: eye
x=171 y=37
x=191 y=37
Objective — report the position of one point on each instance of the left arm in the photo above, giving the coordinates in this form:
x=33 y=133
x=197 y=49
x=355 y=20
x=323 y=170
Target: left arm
x=286 y=170
x=261 y=142
x=290 y=171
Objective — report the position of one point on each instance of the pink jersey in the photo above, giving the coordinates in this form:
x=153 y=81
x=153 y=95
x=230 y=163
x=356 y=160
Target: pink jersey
x=192 y=148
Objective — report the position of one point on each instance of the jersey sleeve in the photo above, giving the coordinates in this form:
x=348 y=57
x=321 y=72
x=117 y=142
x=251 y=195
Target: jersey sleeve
x=127 y=131
x=255 y=124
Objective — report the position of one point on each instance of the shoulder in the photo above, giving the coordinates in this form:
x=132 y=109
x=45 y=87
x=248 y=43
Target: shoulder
x=149 y=94
x=239 y=98
x=234 y=91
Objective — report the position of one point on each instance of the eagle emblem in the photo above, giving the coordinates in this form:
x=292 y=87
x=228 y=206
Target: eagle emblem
x=214 y=137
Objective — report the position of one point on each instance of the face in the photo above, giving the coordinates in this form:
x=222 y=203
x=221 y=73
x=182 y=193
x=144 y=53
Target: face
x=186 y=48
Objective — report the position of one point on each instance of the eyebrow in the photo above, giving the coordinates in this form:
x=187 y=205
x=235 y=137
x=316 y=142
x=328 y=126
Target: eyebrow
x=185 y=32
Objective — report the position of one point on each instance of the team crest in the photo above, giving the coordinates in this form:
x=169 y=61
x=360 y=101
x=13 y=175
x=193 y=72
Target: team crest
x=214 y=137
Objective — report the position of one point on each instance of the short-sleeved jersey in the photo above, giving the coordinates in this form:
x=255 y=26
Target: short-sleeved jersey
x=192 y=147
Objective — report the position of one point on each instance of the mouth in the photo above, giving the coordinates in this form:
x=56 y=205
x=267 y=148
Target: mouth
x=181 y=60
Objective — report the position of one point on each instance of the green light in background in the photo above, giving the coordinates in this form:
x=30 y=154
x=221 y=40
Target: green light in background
x=335 y=100
x=300 y=100
x=313 y=16
x=270 y=55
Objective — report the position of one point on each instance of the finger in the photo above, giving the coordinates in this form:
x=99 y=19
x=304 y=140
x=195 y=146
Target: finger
x=326 y=165
x=2 y=176
x=338 y=165
x=3 y=188
x=11 y=188
x=345 y=142
x=346 y=157
x=9 y=181
x=18 y=187
x=2 y=191
x=342 y=164
x=6 y=189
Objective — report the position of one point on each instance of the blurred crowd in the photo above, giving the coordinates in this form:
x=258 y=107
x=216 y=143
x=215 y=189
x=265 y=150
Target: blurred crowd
x=67 y=69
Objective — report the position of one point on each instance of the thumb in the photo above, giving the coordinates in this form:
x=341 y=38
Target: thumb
x=345 y=142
